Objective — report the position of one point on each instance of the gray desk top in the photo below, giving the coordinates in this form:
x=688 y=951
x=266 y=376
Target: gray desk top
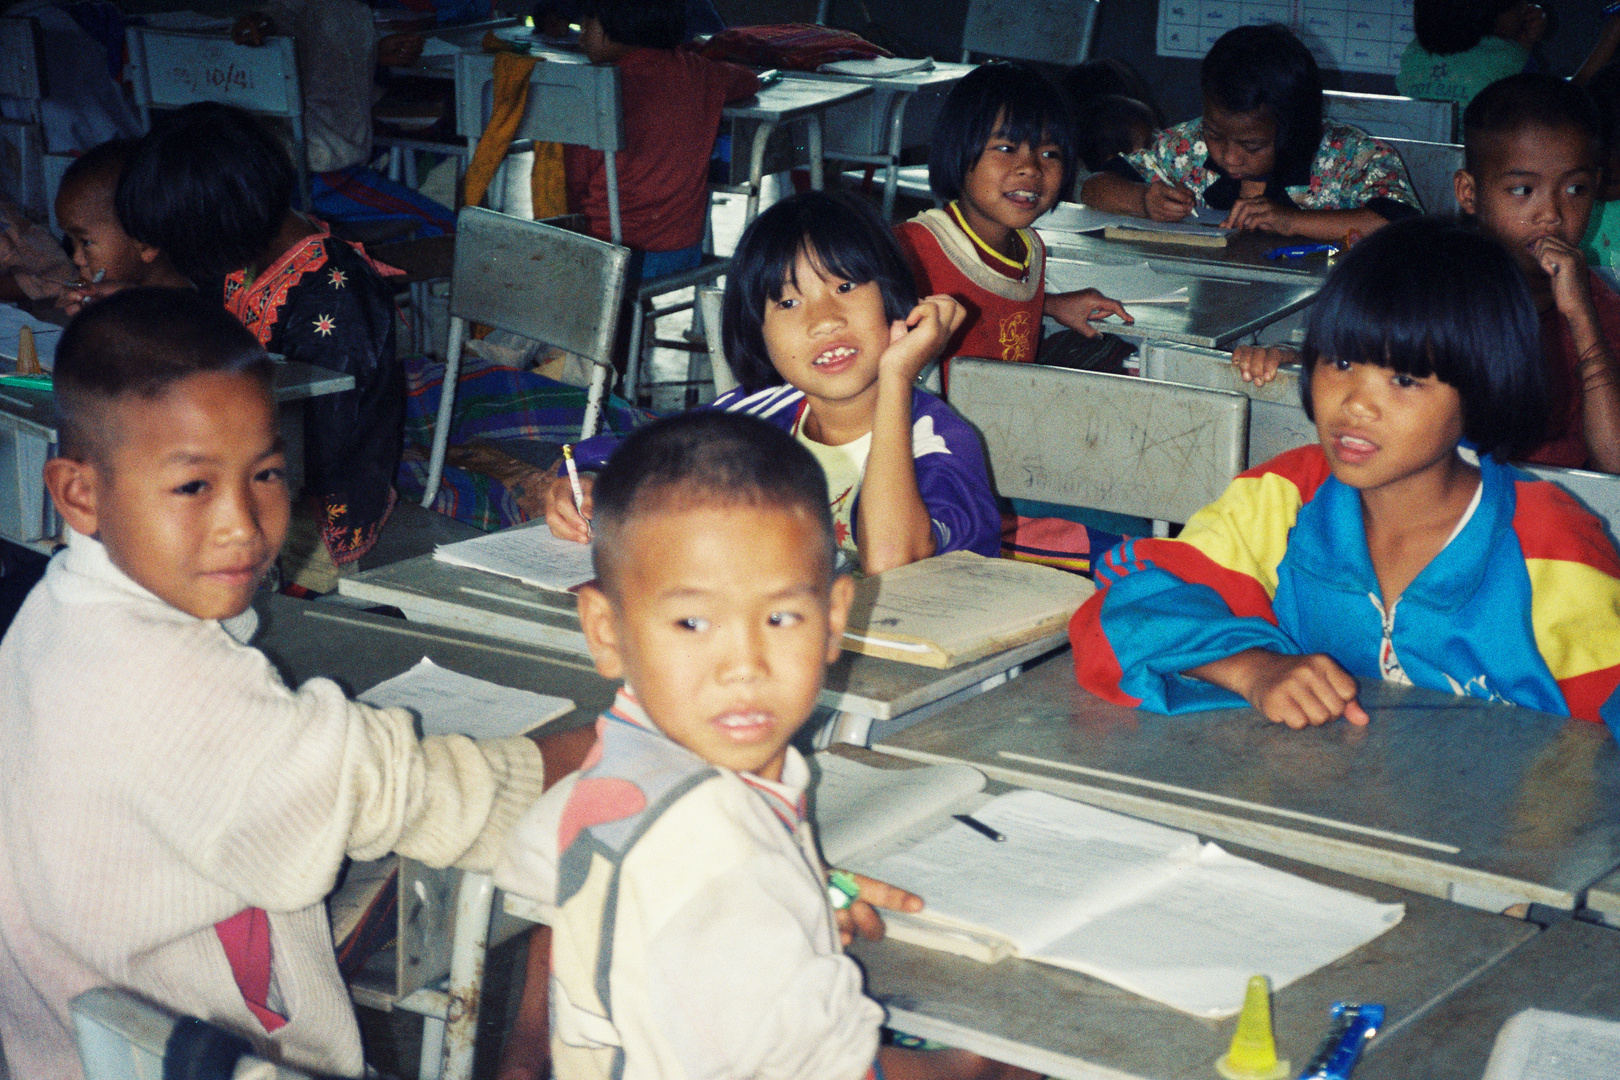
x=1219 y=311
x=941 y=74
x=360 y=650
x=1069 y=1025
x=1571 y=967
x=1488 y=804
x=792 y=98
x=440 y=594
x=1604 y=898
x=1243 y=257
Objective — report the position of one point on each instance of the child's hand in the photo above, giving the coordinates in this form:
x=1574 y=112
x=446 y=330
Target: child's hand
x=920 y=337
x=862 y=918
x=565 y=519
x=1167 y=202
x=1078 y=310
x=1261 y=214
x=1258 y=364
x=1300 y=690
x=75 y=296
x=1565 y=267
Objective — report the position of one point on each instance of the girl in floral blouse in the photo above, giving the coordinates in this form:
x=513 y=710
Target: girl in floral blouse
x=1261 y=152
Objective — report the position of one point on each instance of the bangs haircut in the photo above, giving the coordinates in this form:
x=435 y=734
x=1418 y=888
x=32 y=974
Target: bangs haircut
x=1430 y=296
x=1526 y=100
x=646 y=24
x=1267 y=67
x=209 y=188
x=841 y=234
x=139 y=343
x=1031 y=110
x=704 y=458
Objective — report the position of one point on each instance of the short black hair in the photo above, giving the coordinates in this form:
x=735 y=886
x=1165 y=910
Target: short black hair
x=1108 y=128
x=209 y=187
x=1444 y=27
x=645 y=24
x=139 y=342
x=705 y=457
x=1431 y=296
x=1526 y=100
x=1029 y=108
x=104 y=162
x=1091 y=79
x=841 y=234
x=1267 y=67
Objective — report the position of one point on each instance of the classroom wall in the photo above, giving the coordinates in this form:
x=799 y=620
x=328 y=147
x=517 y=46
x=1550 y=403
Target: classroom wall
x=1125 y=29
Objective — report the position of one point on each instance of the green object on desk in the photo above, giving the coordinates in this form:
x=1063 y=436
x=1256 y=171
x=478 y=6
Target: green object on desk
x=27 y=382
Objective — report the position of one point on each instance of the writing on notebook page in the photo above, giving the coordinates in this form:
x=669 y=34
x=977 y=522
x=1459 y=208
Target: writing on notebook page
x=528 y=553
x=450 y=703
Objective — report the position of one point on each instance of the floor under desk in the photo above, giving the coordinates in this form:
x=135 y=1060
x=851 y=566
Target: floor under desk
x=1412 y=799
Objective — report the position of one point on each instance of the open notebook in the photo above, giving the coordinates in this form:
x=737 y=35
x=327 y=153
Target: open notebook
x=1142 y=906
x=450 y=703
x=528 y=553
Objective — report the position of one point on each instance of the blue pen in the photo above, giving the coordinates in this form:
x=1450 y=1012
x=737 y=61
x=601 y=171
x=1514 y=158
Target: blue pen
x=1299 y=251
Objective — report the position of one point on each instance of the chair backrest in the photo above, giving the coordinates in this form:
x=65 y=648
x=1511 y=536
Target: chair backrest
x=1055 y=31
x=572 y=103
x=22 y=141
x=539 y=281
x=170 y=68
x=709 y=298
x=1277 y=420
x=1432 y=167
x=123 y=1037
x=1391 y=117
x=20 y=77
x=1109 y=442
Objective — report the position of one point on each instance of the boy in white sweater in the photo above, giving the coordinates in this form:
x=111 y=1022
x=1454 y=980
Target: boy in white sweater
x=692 y=936
x=171 y=814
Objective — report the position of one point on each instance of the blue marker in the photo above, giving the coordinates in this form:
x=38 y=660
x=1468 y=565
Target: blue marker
x=1299 y=251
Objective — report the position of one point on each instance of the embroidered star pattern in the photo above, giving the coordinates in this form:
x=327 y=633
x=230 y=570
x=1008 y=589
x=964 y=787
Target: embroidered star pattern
x=325 y=325
x=338 y=278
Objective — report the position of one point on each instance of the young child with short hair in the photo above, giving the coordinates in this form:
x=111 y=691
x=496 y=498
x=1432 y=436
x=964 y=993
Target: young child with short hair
x=1261 y=151
x=171 y=814
x=826 y=335
x=692 y=933
x=1530 y=176
x=1003 y=154
x=105 y=256
x=1401 y=548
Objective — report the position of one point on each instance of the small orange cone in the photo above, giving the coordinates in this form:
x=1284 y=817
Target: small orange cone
x=1253 y=1054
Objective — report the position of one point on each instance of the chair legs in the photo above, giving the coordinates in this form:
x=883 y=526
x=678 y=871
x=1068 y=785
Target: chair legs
x=447 y=404
x=593 y=401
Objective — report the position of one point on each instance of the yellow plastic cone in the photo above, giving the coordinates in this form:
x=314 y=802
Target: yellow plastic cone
x=1253 y=1054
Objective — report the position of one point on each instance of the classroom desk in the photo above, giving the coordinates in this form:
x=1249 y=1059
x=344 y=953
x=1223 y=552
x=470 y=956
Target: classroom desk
x=1489 y=805
x=1065 y=1024
x=28 y=438
x=1243 y=258
x=886 y=694
x=1603 y=898
x=1219 y=312
x=1571 y=967
x=900 y=113
x=754 y=121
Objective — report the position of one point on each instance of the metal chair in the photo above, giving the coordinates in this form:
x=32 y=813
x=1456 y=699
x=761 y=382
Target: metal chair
x=1431 y=167
x=1388 y=116
x=22 y=142
x=124 y=1037
x=171 y=68
x=535 y=280
x=1107 y=442
x=579 y=104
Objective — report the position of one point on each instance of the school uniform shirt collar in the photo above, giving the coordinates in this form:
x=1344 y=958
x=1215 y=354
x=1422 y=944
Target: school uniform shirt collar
x=785 y=796
x=85 y=573
x=1332 y=543
x=1223 y=192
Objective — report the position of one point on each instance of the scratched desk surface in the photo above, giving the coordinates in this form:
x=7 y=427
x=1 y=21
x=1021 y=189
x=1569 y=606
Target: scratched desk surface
x=1489 y=805
x=1243 y=258
x=1069 y=1025
x=436 y=593
x=1571 y=967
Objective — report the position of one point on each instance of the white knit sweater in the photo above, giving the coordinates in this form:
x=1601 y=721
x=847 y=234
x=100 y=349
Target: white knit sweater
x=157 y=777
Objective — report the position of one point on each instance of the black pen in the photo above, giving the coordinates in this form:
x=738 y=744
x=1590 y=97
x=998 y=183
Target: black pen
x=980 y=827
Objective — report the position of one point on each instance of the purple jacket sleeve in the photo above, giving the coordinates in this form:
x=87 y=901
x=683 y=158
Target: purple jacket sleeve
x=952 y=478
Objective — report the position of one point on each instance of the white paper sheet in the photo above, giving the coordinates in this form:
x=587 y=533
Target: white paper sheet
x=1127 y=284
x=879 y=67
x=46 y=335
x=857 y=805
x=450 y=703
x=526 y=552
x=1539 y=1045
x=1068 y=217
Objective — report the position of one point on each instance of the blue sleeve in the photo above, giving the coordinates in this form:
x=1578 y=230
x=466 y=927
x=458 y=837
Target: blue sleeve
x=953 y=480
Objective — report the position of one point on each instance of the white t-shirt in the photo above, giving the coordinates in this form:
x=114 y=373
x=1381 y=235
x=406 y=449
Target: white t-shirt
x=845 y=466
